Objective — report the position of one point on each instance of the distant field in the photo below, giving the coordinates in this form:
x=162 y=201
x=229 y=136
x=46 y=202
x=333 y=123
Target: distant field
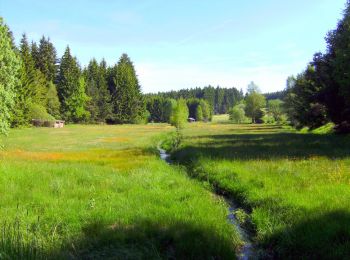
x=220 y=118
x=296 y=186
x=102 y=192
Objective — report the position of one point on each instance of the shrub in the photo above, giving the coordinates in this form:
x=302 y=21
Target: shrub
x=39 y=112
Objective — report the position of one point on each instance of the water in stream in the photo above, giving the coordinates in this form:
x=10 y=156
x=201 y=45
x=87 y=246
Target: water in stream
x=246 y=251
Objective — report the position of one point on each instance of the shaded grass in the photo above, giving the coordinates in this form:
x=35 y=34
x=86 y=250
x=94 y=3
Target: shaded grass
x=91 y=199
x=296 y=186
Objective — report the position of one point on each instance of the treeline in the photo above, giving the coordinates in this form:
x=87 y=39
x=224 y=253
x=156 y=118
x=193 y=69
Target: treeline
x=219 y=99
x=276 y=95
x=161 y=109
x=321 y=93
x=36 y=84
x=257 y=108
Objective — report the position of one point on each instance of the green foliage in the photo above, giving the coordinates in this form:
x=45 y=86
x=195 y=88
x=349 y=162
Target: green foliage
x=155 y=106
x=275 y=112
x=199 y=113
x=71 y=90
x=219 y=99
x=9 y=76
x=180 y=114
x=52 y=101
x=321 y=93
x=128 y=105
x=45 y=58
x=237 y=114
x=206 y=111
x=39 y=112
x=99 y=104
x=254 y=103
x=168 y=107
x=302 y=104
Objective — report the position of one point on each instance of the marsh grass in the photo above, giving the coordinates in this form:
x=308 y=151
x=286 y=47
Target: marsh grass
x=102 y=192
x=295 y=185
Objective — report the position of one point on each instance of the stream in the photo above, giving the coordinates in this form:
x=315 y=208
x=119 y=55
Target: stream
x=247 y=250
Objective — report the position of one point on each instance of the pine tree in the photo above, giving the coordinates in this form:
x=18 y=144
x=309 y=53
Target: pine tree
x=34 y=50
x=99 y=104
x=9 y=76
x=128 y=105
x=47 y=58
x=71 y=89
x=104 y=102
x=32 y=89
x=91 y=78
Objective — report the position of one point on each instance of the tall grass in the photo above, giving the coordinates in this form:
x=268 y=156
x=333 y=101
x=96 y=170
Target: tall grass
x=102 y=192
x=295 y=186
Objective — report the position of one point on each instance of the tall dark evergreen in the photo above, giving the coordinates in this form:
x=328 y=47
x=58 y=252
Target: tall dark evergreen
x=128 y=105
x=104 y=100
x=336 y=64
x=71 y=89
x=322 y=92
x=32 y=89
x=47 y=59
x=97 y=89
x=35 y=53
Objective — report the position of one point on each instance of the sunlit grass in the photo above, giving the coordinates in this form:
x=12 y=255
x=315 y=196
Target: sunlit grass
x=101 y=191
x=296 y=186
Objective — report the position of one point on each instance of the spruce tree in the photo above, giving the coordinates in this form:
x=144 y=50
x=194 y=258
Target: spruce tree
x=9 y=76
x=71 y=89
x=32 y=89
x=104 y=101
x=47 y=58
x=99 y=104
x=128 y=105
x=91 y=77
x=34 y=50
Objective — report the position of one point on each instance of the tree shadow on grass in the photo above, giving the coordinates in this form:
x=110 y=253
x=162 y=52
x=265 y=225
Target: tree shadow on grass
x=264 y=146
x=142 y=239
x=321 y=236
x=148 y=240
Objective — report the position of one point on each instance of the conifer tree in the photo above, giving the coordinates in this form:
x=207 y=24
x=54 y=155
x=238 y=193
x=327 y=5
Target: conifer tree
x=104 y=101
x=31 y=90
x=99 y=104
x=128 y=105
x=71 y=89
x=47 y=58
x=34 y=50
x=91 y=78
x=9 y=76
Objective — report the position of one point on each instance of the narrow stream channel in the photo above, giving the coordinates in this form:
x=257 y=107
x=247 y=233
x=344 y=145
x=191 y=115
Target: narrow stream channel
x=247 y=250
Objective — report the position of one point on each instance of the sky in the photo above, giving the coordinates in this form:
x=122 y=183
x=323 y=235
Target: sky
x=185 y=43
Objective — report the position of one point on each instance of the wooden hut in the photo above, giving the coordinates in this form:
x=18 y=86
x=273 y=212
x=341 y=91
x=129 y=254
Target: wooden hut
x=48 y=123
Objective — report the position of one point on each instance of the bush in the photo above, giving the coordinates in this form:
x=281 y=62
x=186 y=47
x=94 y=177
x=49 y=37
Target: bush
x=237 y=114
x=39 y=112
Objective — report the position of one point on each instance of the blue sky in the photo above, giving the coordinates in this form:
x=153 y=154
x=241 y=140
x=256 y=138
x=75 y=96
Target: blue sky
x=185 y=43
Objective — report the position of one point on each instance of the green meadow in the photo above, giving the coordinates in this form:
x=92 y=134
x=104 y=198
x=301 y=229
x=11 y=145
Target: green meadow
x=90 y=192
x=294 y=186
